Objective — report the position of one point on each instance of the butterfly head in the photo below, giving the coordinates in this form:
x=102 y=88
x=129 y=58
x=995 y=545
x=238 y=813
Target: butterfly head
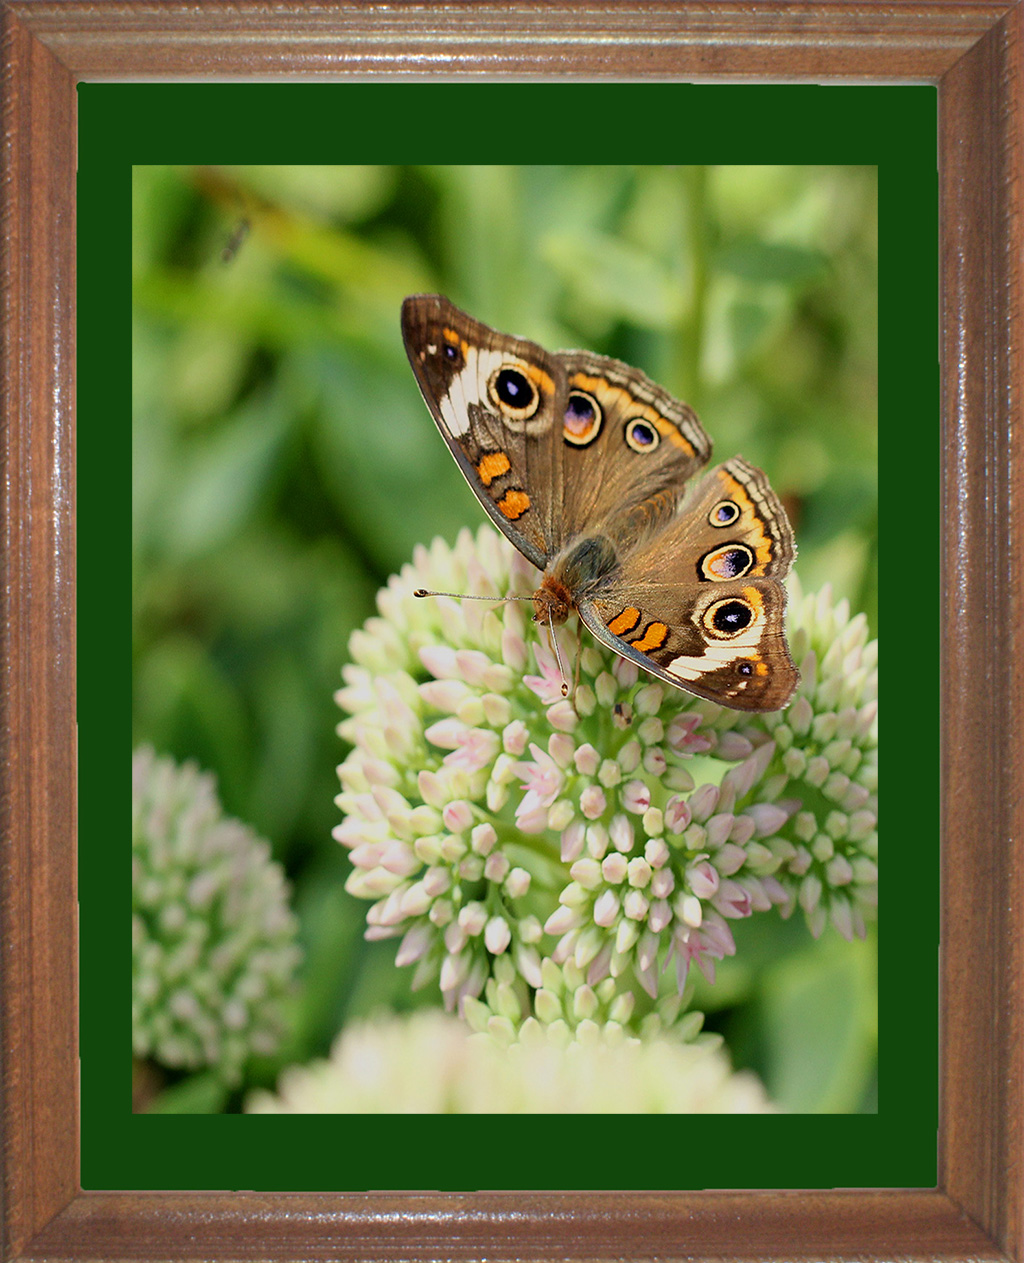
x=552 y=602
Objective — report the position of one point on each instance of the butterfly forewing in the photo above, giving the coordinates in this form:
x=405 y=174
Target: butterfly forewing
x=494 y=399
x=629 y=447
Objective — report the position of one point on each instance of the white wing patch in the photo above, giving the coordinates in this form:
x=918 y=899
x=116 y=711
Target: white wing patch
x=469 y=387
x=719 y=653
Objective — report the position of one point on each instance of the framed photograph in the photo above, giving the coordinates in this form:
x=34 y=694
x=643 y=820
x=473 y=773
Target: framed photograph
x=850 y=1187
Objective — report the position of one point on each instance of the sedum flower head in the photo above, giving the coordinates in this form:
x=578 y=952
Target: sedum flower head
x=613 y=835
x=824 y=771
x=213 y=940
x=429 y=1064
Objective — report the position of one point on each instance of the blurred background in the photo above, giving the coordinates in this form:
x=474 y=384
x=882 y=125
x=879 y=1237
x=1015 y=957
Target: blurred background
x=284 y=464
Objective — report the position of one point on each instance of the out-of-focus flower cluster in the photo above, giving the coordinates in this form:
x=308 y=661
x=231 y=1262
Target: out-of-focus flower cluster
x=429 y=1064
x=214 y=946
x=549 y=856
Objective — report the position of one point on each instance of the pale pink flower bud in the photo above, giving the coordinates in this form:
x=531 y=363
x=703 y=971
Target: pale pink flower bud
x=416 y=900
x=663 y=882
x=613 y=868
x=483 y=839
x=621 y=833
x=654 y=761
x=593 y=802
x=609 y=774
x=400 y=858
x=626 y=672
x=597 y=841
x=517 y=883
x=414 y=945
x=454 y=970
x=636 y=797
x=457 y=816
x=454 y=937
x=638 y=871
x=563 y=716
x=473 y=918
x=573 y=838
x=656 y=852
x=635 y=905
x=842 y=917
x=653 y=821
x=561 y=747
x=496 y=867
x=440 y=661
x=448 y=734
x=703 y=879
x=497 y=710
x=732 y=900
x=562 y=920
x=587 y=872
x=528 y=963
x=626 y=935
x=514 y=737
x=560 y=815
x=587 y=760
x=677 y=814
x=445 y=695
x=702 y=802
x=513 y=650
x=497 y=935
x=629 y=756
x=660 y=915
x=606 y=909
x=718 y=829
x=767 y=817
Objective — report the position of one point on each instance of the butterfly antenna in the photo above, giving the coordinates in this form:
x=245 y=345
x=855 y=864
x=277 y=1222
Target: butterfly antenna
x=468 y=596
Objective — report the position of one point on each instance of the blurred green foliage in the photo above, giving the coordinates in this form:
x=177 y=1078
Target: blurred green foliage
x=284 y=464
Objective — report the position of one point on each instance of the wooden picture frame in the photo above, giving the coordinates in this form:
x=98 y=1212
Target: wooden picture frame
x=974 y=51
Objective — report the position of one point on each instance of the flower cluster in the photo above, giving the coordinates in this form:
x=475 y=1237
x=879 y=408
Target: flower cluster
x=429 y=1064
x=213 y=940
x=607 y=835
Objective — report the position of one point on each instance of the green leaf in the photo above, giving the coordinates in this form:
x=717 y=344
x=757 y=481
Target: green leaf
x=819 y=1022
x=776 y=262
x=617 y=277
x=204 y=1093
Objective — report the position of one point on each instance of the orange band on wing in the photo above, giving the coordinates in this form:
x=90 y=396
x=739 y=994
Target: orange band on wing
x=653 y=638
x=514 y=504
x=492 y=466
x=624 y=622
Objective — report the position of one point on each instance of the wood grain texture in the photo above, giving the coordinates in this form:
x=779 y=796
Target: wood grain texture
x=38 y=927
x=982 y=169
x=731 y=39
x=974 y=50
x=499 y=1226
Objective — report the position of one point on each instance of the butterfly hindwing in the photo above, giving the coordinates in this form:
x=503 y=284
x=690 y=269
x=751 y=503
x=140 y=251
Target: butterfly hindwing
x=725 y=642
x=700 y=603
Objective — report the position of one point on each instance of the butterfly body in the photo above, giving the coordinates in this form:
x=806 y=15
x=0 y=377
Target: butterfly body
x=587 y=466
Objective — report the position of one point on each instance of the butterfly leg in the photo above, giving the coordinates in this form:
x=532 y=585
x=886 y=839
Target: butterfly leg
x=553 y=646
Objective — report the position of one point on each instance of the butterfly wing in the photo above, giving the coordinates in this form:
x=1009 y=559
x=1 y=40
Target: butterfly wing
x=700 y=603
x=494 y=399
x=629 y=448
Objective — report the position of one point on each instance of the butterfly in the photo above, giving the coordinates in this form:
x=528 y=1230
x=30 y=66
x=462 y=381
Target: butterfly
x=589 y=467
